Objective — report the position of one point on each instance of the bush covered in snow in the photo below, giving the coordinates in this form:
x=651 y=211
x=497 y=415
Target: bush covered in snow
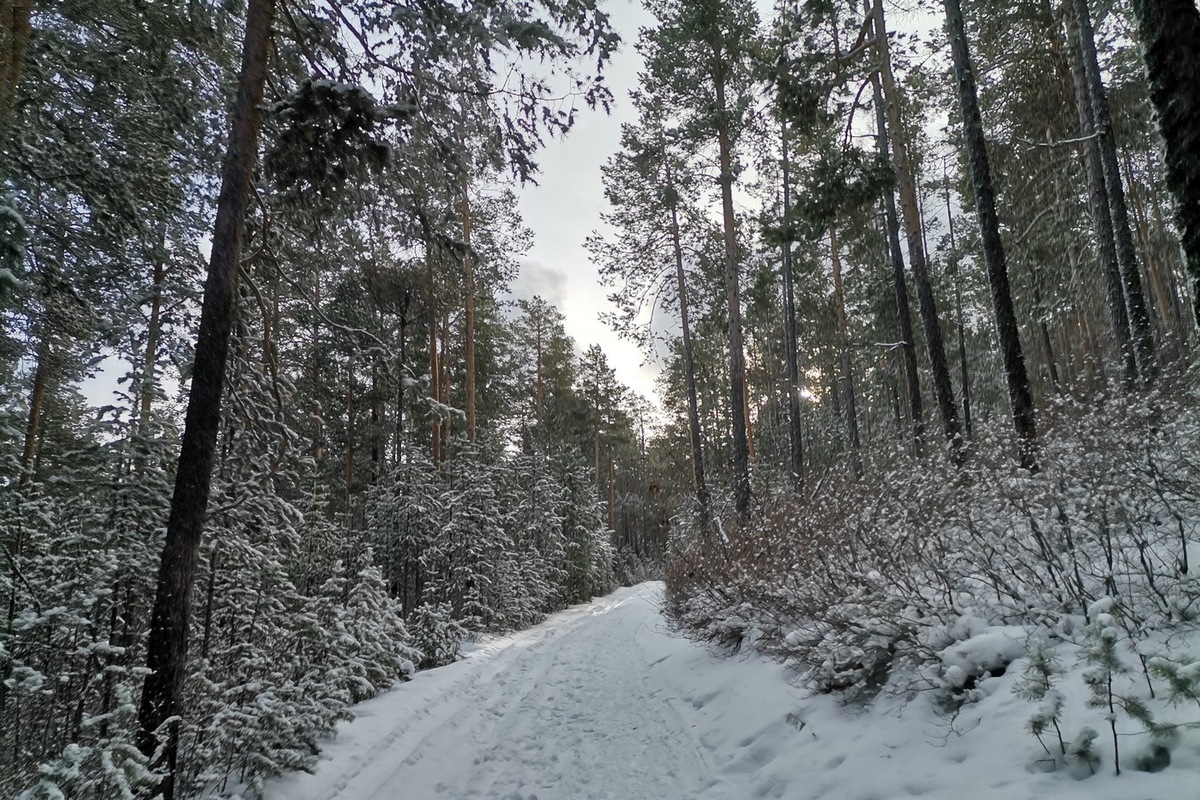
x=931 y=576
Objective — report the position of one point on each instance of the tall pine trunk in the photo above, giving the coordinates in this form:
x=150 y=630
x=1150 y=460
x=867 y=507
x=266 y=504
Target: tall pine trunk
x=943 y=390
x=795 y=442
x=149 y=380
x=843 y=345
x=1020 y=398
x=1131 y=276
x=908 y=344
x=689 y=367
x=469 y=310
x=1102 y=225
x=737 y=365
x=16 y=32
x=964 y=389
x=1170 y=38
x=167 y=644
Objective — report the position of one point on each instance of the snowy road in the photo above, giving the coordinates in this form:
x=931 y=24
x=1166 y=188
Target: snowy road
x=603 y=702
x=583 y=706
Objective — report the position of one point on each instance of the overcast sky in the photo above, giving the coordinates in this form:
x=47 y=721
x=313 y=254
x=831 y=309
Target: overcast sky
x=566 y=206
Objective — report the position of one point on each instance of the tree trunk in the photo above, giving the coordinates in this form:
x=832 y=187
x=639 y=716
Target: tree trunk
x=737 y=369
x=1102 y=223
x=16 y=31
x=351 y=414
x=1131 y=276
x=539 y=394
x=435 y=382
x=1020 y=398
x=444 y=362
x=166 y=648
x=908 y=345
x=1167 y=312
x=469 y=310
x=689 y=371
x=1043 y=329
x=1170 y=38
x=943 y=391
x=965 y=373
x=33 y=424
x=843 y=342
x=795 y=442
x=149 y=381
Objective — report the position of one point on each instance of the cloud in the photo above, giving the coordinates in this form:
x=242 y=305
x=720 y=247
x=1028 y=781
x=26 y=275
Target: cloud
x=535 y=278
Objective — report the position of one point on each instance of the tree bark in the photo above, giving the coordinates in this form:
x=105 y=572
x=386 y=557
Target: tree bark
x=435 y=381
x=16 y=32
x=908 y=345
x=1020 y=398
x=737 y=368
x=1170 y=39
x=1131 y=275
x=1102 y=222
x=843 y=343
x=795 y=442
x=351 y=433
x=964 y=369
x=166 y=656
x=469 y=310
x=943 y=391
x=149 y=386
x=689 y=369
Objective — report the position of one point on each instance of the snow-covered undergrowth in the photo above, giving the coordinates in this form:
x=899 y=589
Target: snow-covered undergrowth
x=606 y=701
x=1073 y=592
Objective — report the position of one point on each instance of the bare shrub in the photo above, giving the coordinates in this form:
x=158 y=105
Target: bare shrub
x=861 y=574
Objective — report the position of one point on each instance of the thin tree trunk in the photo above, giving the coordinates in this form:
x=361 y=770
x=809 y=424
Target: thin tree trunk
x=1169 y=31
x=444 y=362
x=351 y=413
x=33 y=424
x=689 y=370
x=1164 y=234
x=1167 y=317
x=908 y=345
x=317 y=380
x=469 y=310
x=612 y=496
x=964 y=369
x=435 y=382
x=401 y=373
x=167 y=643
x=1102 y=223
x=1020 y=398
x=943 y=391
x=795 y=441
x=1043 y=328
x=737 y=369
x=1131 y=276
x=539 y=390
x=150 y=359
x=839 y=306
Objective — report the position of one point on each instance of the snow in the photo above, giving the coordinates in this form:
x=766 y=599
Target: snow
x=987 y=652
x=605 y=701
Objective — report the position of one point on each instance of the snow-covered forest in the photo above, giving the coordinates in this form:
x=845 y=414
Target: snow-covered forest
x=922 y=278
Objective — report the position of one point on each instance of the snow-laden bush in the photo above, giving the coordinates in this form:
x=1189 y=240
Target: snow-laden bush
x=437 y=634
x=868 y=574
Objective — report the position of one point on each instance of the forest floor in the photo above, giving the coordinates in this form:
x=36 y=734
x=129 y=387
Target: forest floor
x=605 y=700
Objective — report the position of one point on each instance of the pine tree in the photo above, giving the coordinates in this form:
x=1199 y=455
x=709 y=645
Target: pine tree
x=1020 y=398
x=698 y=66
x=1169 y=31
